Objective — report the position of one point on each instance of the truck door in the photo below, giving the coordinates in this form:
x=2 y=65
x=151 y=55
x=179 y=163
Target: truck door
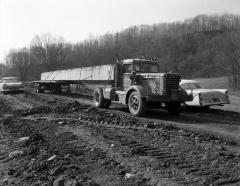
x=125 y=76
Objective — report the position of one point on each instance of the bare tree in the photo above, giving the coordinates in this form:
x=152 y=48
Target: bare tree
x=2 y=70
x=49 y=50
x=20 y=61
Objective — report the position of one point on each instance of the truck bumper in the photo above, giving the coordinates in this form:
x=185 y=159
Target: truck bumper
x=169 y=98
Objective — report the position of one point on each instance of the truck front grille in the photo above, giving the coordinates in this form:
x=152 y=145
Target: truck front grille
x=171 y=83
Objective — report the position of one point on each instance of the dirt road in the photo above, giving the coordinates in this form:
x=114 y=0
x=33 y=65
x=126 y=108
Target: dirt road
x=73 y=143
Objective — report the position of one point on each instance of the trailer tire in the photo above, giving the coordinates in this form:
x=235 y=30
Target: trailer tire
x=136 y=104
x=174 y=108
x=37 y=88
x=57 y=89
x=98 y=98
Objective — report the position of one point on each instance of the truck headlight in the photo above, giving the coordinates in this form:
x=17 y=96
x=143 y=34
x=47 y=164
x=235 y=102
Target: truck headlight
x=182 y=104
x=226 y=95
x=200 y=97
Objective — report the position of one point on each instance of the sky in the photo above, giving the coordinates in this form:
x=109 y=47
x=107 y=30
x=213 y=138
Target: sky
x=76 y=20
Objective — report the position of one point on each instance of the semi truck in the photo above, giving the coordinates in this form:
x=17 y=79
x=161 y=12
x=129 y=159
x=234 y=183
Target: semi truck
x=136 y=83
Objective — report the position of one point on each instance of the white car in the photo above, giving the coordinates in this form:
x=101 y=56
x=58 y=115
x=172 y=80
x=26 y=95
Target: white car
x=204 y=97
x=10 y=84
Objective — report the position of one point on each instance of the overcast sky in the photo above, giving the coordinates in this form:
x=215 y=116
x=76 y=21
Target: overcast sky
x=75 y=20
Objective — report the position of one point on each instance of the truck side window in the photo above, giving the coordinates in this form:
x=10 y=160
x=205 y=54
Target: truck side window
x=127 y=68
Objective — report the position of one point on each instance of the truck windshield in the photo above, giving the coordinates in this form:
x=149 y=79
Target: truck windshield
x=146 y=67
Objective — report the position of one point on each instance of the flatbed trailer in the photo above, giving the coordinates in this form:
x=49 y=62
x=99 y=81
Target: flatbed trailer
x=54 y=80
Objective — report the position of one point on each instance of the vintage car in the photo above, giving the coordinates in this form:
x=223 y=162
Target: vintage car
x=204 y=97
x=10 y=84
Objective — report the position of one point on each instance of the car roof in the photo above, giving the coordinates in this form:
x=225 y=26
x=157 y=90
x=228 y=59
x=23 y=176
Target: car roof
x=184 y=81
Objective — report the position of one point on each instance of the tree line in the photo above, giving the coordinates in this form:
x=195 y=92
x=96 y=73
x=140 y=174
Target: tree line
x=203 y=46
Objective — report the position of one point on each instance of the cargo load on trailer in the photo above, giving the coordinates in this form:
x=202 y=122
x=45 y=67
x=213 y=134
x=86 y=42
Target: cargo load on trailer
x=99 y=73
x=136 y=83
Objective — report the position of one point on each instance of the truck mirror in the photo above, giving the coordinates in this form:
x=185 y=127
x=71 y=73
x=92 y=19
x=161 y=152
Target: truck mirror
x=133 y=73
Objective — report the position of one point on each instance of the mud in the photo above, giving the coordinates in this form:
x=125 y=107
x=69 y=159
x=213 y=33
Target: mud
x=71 y=143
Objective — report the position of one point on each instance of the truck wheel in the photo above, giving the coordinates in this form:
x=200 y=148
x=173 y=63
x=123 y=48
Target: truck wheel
x=174 y=108
x=98 y=98
x=106 y=103
x=136 y=104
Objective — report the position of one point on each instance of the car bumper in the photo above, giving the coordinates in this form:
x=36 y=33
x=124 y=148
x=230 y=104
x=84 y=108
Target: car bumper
x=203 y=104
x=169 y=98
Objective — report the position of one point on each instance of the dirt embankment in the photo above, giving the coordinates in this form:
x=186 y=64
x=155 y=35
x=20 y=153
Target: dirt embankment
x=75 y=144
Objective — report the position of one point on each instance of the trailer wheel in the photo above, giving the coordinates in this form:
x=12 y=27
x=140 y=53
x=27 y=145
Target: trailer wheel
x=36 y=87
x=136 y=104
x=57 y=89
x=174 y=108
x=98 y=98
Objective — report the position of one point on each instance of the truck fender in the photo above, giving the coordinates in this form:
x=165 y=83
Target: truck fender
x=136 y=88
x=108 y=93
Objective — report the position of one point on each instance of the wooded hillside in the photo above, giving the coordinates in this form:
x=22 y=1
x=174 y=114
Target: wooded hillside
x=204 y=46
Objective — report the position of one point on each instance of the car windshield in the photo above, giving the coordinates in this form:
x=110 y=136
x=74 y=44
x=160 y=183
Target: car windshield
x=146 y=67
x=10 y=80
x=191 y=86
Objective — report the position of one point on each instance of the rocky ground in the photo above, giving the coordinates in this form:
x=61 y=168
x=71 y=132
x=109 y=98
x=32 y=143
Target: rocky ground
x=62 y=140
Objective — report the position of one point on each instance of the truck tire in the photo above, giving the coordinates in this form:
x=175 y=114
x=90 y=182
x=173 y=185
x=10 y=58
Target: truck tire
x=98 y=98
x=136 y=104
x=174 y=108
x=106 y=103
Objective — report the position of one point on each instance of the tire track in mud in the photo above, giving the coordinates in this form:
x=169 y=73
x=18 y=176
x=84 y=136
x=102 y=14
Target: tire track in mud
x=99 y=142
x=49 y=101
x=186 y=166
x=152 y=149
x=213 y=121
